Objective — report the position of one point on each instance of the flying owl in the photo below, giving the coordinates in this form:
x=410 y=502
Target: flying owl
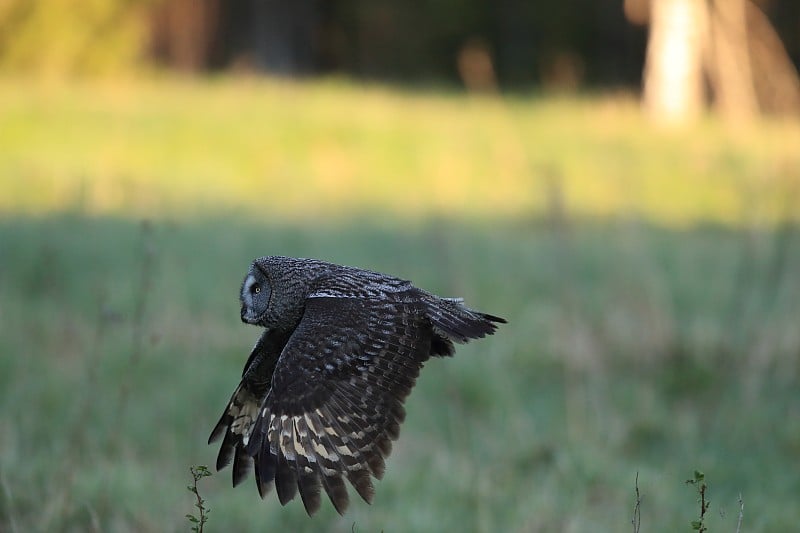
x=321 y=396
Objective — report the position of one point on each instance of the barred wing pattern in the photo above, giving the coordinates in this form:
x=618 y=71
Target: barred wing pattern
x=336 y=399
x=236 y=422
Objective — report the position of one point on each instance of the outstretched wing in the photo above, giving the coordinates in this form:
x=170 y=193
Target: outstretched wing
x=237 y=420
x=336 y=402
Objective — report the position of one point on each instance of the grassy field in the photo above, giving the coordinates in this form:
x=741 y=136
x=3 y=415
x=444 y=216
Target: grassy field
x=650 y=281
x=331 y=149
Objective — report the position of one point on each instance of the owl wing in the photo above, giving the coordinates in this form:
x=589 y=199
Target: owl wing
x=237 y=420
x=336 y=402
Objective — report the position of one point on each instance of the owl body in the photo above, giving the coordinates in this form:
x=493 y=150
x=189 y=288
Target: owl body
x=321 y=396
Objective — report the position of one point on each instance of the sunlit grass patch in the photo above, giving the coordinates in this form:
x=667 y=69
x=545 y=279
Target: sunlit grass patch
x=332 y=149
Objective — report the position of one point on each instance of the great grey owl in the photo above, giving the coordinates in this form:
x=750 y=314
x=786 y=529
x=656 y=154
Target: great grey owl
x=321 y=396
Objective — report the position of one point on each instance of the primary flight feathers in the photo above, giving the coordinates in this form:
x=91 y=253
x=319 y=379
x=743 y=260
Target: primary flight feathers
x=321 y=396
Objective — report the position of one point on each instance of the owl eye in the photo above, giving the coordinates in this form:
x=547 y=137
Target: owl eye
x=255 y=288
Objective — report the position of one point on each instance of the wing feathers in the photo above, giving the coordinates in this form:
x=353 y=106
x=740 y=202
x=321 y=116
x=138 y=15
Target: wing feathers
x=242 y=464
x=226 y=451
x=306 y=466
x=285 y=481
x=339 y=443
x=220 y=428
x=385 y=446
x=362 y=483
x=309 y=485
x=376 y=465
x=265 y=472
x=337 y=492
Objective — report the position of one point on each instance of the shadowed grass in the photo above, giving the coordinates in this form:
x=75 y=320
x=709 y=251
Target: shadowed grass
x=629 y=348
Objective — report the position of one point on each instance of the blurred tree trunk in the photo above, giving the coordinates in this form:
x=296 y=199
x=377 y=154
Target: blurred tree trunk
x=183 y=32
x=729 y=70
x=749 y=69
x=673 y=74
x=775 y=78
x=730 y=41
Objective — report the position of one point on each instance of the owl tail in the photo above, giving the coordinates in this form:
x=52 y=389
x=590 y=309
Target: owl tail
x=454 y=322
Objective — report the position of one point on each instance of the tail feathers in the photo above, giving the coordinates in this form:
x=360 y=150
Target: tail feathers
x=453 y=322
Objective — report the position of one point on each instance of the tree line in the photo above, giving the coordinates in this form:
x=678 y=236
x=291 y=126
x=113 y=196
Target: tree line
x=482 y=44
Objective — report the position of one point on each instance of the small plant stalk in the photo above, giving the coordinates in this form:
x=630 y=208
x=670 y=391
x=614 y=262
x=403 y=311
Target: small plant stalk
x=699 y=482
x=198 y=473
x=636 y=521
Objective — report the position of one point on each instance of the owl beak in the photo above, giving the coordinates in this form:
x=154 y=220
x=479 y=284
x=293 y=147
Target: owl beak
x=248 y=316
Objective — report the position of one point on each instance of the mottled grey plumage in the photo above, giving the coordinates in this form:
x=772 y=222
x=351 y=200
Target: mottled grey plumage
x=321 y=396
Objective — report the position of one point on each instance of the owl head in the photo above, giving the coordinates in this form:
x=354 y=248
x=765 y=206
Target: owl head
x=255 y=296
x=275 y=288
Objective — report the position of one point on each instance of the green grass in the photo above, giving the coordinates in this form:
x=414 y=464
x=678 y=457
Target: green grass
x=629 y=349
x=332 y=149
x=650 y=280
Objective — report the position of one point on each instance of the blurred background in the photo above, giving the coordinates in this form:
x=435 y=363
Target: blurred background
x=619 y=179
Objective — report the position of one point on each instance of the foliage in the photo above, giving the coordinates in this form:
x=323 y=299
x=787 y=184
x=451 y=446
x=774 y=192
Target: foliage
x=544 y=42
x=56 y=37
x=699 y=482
